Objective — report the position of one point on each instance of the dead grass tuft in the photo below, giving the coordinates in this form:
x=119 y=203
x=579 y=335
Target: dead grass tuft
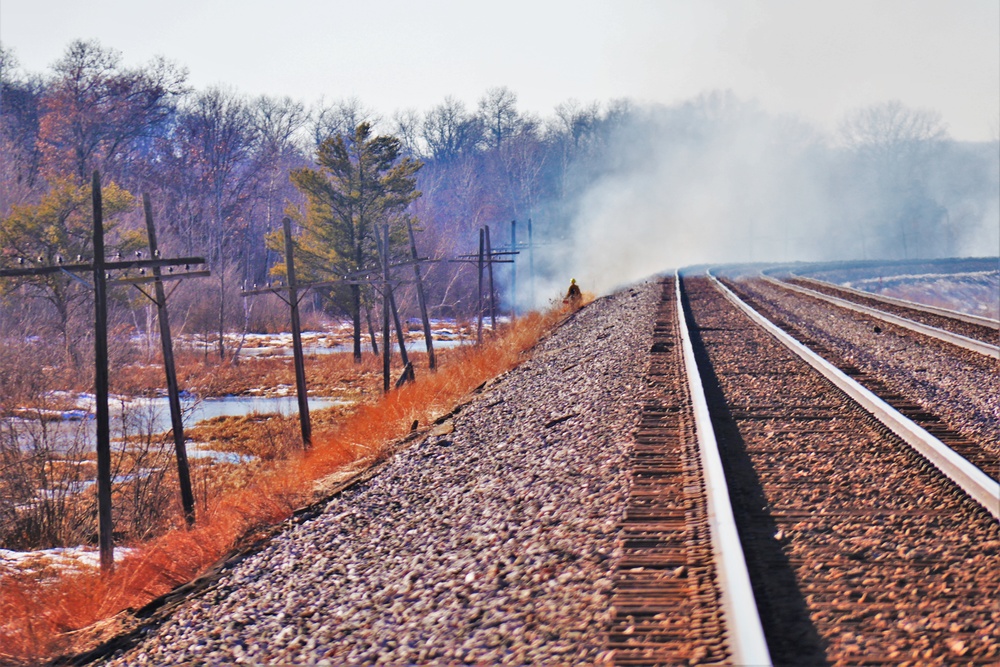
x=41 y=618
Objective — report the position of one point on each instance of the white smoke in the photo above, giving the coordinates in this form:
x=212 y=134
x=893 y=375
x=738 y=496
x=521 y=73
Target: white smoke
x=718 y=181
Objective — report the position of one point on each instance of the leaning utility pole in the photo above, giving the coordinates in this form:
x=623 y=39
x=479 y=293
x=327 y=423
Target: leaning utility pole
x=386 y=346
x=421 y=299
x=291 y=295
x=299 y=358
x=173 y=393
x=388 y=291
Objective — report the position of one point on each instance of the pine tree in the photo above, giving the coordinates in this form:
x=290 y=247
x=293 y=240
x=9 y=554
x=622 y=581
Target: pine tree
x=362 y=182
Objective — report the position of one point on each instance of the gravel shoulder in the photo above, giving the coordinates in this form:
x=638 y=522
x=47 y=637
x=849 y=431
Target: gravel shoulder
x=492 y=540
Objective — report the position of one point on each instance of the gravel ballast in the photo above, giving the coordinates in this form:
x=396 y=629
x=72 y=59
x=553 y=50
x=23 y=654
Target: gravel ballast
x=493 y=543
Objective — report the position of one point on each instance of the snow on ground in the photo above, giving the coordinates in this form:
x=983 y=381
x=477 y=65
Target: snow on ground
x=61 y=559
x=337 y=337
x=975 y=293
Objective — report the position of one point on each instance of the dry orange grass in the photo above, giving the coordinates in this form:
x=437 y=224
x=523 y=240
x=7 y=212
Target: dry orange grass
x=40 y=619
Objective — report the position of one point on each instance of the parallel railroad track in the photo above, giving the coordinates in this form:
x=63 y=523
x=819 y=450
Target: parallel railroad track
x=980 y=451
x=977 y=328
x=859 y=551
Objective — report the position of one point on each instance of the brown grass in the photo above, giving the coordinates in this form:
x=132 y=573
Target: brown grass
x=40 y=618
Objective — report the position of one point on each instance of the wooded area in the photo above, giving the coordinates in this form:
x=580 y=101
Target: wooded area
x=222 y=170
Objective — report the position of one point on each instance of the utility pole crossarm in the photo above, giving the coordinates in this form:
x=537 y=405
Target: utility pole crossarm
x=108 y=267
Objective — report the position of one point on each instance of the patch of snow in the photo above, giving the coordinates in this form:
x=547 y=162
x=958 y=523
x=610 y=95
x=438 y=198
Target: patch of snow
x=60 y=558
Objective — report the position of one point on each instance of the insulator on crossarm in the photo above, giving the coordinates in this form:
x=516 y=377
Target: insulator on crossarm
x=142 y=272
x=118 y=255
x=156 y=253
x=20 y=260
x=138 y=254
x=59 y=259
x=79 y=258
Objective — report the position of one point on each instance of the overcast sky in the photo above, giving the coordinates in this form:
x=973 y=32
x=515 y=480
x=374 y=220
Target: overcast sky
x=814 y=58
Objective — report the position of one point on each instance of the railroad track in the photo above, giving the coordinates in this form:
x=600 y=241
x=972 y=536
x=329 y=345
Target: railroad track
x=930 y=402
x=971 y=326
x=964 y=333
x=859 y=550
x=682 y=594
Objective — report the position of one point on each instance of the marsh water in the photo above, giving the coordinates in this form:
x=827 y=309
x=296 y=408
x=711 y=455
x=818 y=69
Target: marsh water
x=144 y=416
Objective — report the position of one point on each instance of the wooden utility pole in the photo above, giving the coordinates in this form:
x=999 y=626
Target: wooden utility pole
x=483 y=256
x=531 y=265
x=292 y=299
x=105 y=525
x=513 y=271
x=421 y=299
x=386 y=345
x=479 y=296
x=300 y=365
x=489 y=271
x=387 y=290
x=173 y=394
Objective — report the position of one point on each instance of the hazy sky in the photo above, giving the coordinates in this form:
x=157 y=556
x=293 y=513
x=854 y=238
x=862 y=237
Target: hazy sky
x=815 y=58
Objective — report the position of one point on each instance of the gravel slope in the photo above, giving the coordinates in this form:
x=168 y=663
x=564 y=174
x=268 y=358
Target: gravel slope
x=491 y=544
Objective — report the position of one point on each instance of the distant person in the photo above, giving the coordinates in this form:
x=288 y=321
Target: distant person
x=573 y=295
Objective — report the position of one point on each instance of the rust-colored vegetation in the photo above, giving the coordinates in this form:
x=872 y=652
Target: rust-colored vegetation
x=43 y=614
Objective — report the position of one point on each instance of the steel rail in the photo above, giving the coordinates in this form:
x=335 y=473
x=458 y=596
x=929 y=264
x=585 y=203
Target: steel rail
x=968 y=477
x=927 y=330
x=913 y=305
x=745 y=634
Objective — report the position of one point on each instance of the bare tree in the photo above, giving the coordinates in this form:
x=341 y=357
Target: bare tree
x=893 y=148
x=406 y=125
x=498 y=111
x=340 y=119
x=95 y=109
x=20 y=112
x=893 y=138
x=451 y=131
x=217 y=168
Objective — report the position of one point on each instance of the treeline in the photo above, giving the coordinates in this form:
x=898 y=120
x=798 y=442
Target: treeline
x=714 y=171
